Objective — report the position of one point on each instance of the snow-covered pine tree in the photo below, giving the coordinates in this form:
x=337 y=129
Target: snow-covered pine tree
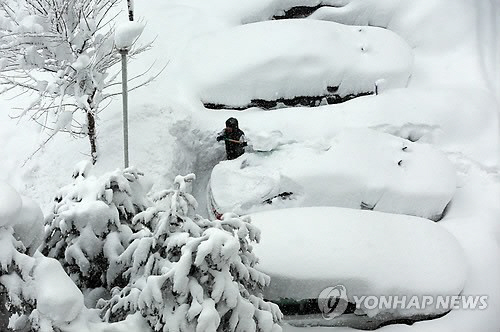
x=90 y=226
x=61 y=52
x=15 y=274
x=191 y=274
x=36 y=292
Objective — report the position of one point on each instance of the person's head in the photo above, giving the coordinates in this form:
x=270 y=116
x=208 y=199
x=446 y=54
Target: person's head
x=232 y=124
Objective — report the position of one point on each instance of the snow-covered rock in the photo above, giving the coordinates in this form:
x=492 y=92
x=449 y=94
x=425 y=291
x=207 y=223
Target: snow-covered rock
x=290 y=58
x=358 y=168
x=306 y=250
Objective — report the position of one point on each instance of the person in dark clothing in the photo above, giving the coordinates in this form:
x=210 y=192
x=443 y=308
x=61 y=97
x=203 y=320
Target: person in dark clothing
x=234 y=138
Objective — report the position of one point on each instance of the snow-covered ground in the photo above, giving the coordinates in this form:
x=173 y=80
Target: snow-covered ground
x=440 y=86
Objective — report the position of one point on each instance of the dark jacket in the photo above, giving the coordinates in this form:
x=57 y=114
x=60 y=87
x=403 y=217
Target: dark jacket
x=233 y=150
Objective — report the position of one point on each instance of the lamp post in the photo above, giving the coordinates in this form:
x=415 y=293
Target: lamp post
x=124 y=53
x=125 y=36
x=123 y=50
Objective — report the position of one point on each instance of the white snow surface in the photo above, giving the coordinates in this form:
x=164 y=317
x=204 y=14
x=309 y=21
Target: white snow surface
x=354 y=248
x=358 y=168
x=451 y=103
x=266 y=141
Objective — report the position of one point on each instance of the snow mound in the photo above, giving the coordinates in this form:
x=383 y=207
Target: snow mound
x=57 y=297
x=359 y=168
x=290 y=58
x=266 y=141
x=305 y=250
x=254 y=184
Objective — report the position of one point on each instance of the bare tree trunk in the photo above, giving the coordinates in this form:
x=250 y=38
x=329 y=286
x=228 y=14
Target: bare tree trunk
x=91 y=126
x=92 y=136
x=130 y=6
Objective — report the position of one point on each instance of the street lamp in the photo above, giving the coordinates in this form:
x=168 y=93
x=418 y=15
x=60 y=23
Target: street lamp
x=125 y=36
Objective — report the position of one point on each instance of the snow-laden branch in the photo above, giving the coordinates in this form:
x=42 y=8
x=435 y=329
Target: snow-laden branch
x=62 y=51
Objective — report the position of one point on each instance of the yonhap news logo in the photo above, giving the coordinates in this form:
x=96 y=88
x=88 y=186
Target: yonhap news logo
x=333 y=302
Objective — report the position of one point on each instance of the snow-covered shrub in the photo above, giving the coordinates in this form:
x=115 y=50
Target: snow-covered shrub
x=191 y=274
x=15 y=270
x=38 y=293
x=90 y=225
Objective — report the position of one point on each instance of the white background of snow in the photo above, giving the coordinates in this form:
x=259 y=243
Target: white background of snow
x=452 y=40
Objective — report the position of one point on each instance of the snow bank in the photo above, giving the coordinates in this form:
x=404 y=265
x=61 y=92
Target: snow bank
x=285 y=59
x=264 y=141
x=359 y=168
x=305 y=250
x=57 y=297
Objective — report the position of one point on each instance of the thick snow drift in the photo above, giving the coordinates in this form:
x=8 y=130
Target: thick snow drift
x=305 y=250
x=359 y=168
x=286 y=59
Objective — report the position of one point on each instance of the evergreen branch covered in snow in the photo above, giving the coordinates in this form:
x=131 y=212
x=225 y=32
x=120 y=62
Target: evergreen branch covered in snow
x=90 y=224
x=190 y=273
x=37 y=293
